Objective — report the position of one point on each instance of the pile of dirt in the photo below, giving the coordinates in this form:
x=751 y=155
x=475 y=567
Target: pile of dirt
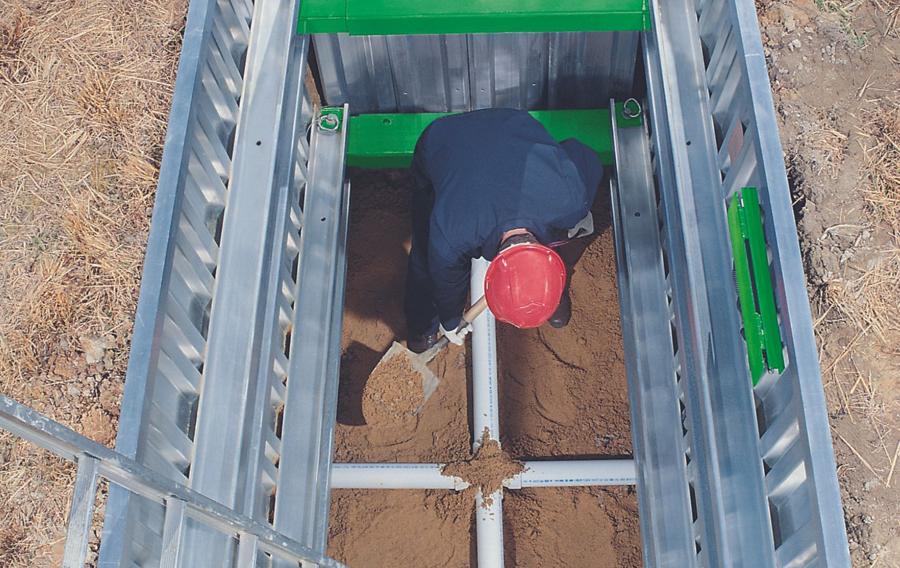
x=486 y=470
x=393 y=391
x=562 y=394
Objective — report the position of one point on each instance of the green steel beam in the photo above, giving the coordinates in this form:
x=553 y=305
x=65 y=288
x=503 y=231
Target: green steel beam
x=388 y=140
x=385 y=17
x=322 y=17
x=754 y=284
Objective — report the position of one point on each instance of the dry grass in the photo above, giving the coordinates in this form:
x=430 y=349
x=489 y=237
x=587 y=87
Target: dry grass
x=890 y=10
x=80 y=144
x=34 y=506
x=869 y=300
x=881 y=146
x=871 y=297
x=828 y=147
x=85 y=87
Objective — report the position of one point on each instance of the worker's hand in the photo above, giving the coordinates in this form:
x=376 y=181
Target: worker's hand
x=584 y=228
x=458 y=335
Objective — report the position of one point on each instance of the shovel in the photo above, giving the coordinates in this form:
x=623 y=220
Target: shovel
x=418 y=363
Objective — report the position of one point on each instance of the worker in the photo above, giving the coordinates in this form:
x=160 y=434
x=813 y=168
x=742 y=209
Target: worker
x=493 y=183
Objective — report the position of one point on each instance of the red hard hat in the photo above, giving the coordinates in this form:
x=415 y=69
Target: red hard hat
x=524 y=284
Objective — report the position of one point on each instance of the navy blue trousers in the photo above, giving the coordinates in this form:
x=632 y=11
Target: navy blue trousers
x=421 y=311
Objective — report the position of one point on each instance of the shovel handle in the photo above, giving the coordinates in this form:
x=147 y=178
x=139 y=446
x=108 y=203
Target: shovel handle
x=473 y=312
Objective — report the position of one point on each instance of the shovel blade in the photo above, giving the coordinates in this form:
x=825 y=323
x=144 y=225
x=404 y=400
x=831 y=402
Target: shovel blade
x=424 y=380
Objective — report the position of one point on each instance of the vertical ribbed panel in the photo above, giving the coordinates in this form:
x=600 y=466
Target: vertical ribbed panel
x=443 y=73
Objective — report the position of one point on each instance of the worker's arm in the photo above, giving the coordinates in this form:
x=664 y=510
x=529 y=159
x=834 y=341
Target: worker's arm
x=590 y=171
x=586 y=161
x=450 y=277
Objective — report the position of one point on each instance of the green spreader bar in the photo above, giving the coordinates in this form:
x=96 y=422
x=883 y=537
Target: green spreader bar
x=384 y=17
x=388 y=140
x=754 y=285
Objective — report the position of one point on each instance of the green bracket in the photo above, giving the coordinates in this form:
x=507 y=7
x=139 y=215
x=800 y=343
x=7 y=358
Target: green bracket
x=754 y=284
x=385 y=17
x=388 y=140
x=331 y=119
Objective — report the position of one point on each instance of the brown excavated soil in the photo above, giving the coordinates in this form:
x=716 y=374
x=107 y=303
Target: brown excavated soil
x=393 y=391
x=563 y=394
x=486 y=470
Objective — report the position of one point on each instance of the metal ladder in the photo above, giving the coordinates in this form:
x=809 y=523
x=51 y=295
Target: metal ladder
x=181 y=504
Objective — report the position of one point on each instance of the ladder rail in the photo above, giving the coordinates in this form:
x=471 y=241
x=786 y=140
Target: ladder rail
x=226 y=428
x=95 y=461
x=664 y=501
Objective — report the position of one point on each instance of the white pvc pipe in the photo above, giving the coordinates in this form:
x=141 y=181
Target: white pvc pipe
x=488 y=520
x=546 y=473
x=489 y=531
x=571 y=473
x=485 y=413
x=393 y=476
x=484 y=363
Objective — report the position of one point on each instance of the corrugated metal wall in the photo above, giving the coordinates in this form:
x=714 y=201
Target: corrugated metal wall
x=440 y=73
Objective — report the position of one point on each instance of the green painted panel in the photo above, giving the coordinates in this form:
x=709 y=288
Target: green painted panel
x=322 y=16
x=754 y=284
x=388 y=140
x=383 y=17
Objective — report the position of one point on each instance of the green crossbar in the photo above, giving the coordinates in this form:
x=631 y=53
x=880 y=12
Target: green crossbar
x=388 y=140
x=384 y=17
x=754 y=284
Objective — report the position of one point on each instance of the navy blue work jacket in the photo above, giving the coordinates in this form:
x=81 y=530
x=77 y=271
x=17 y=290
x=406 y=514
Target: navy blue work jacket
x=494 y=170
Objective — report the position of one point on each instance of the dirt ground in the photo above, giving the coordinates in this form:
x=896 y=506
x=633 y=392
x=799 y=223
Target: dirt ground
x=85 y=88
x=84 y=92
x=836 y=77
x=563 y=394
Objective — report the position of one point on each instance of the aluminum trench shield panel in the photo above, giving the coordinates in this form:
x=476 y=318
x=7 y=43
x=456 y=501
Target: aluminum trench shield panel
x=821 y=505
x=302 y=497
x=178 y=276
x=663 y=499
x=734 y=528
x=238 y=317
x=203 y=307
x=444 y=73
